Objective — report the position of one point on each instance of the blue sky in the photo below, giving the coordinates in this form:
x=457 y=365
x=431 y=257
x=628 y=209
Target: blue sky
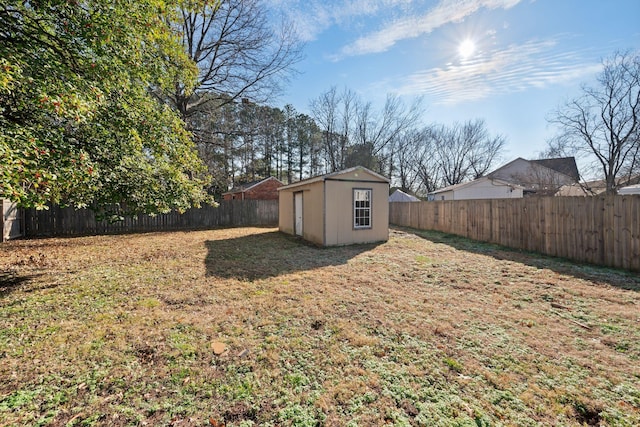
x=510 y=62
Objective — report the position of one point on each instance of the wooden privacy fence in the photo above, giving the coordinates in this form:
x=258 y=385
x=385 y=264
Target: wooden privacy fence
x=603 y=230
x=58 y=221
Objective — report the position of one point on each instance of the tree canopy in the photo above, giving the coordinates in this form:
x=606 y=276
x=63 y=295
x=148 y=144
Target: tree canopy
x=79 y=124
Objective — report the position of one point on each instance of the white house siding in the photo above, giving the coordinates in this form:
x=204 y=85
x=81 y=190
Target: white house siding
x=482 y=188
x=629 y=190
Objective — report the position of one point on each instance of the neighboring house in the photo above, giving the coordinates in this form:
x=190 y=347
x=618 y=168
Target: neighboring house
x=481 y=188
x=341 y=208
x=629 y=190
x=518 y=178
x=542 y=177
x=265 y=189
x=12 y=220
x=589 y=188
x=593 y=188
x=401 y=196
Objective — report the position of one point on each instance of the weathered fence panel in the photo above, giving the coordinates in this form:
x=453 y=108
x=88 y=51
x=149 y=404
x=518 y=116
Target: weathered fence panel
x=603 y=230
x=57 y=221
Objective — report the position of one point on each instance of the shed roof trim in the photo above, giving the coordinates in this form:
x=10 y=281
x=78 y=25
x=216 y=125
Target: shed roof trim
x=331 y=175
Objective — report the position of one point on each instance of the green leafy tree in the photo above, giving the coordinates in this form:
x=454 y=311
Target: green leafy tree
x=78 y=123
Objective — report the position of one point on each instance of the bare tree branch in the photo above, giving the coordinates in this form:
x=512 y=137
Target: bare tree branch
x=603 y=125
x=238 y=52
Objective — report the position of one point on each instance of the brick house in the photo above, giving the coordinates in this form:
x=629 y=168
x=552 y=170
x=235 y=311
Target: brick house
x=265 y=189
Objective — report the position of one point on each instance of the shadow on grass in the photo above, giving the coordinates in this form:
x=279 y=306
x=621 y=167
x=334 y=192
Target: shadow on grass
x=600 y=275
x=260 y=256
x=10 y=282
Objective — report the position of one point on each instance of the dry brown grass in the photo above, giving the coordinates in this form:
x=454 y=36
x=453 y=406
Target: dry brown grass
x=425 y=329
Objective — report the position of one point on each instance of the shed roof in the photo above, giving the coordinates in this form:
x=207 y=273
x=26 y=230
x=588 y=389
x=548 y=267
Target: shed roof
x=334 y=175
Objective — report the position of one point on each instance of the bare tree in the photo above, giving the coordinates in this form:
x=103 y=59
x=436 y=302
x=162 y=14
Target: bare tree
x=333 y=113
x=425 y=163
x=485 y=149
x=465 y=151
x=356 y=134
x=349 y=102
x=243 y=59
x=603 y=124
x=377 y=135
x=325 y=112
x=238 y=53
x=411 y=152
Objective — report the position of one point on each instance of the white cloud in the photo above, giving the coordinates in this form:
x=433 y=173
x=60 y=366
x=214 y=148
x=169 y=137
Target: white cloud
x=534 y=64
x=312 y=17
x=447 y=11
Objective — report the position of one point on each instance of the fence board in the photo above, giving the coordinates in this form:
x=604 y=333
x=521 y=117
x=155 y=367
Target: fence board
x=603 y=230
x=58 y=221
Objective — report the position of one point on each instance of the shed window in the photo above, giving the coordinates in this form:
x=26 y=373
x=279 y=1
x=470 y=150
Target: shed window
x=361 y=208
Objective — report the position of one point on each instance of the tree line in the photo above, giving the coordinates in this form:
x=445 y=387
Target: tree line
x=247 y=142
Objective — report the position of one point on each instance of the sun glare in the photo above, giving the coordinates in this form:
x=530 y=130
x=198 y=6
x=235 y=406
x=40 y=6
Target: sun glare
x=466 y=48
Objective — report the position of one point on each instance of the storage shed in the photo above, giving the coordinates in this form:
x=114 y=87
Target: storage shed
x=341 y=208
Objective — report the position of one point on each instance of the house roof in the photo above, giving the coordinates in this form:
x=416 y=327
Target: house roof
x=241 y=188
x=333 y=175
x=475 y=181
x=506 y=165
x=401 y=196
x=565 y=165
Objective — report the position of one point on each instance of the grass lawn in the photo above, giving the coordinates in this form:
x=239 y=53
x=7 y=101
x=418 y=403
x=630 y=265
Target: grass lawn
x=426 y=329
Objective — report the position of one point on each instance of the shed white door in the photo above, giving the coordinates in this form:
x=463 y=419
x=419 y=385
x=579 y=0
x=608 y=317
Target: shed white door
x=297 y=203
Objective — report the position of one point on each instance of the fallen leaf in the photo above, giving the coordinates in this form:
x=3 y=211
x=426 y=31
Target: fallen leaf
x=218 y=347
